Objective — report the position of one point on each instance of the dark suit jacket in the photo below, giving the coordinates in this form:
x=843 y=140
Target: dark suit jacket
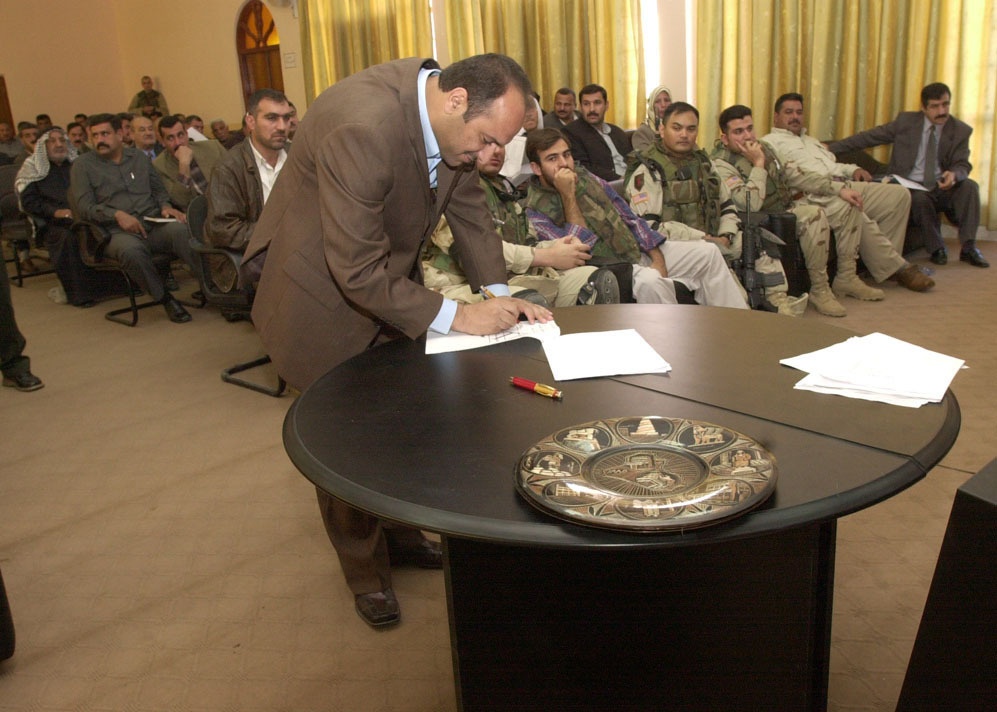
x=590 y=150
x=346 y=220
x=904 y=132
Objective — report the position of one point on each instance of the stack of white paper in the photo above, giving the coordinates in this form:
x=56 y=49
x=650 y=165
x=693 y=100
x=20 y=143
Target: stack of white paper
x=879 y=368
x=602 y=353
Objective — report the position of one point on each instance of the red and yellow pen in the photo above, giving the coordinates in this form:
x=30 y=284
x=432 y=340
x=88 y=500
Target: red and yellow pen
x=538 y=388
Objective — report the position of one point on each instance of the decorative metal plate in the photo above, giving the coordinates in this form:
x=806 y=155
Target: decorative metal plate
x=646 y=474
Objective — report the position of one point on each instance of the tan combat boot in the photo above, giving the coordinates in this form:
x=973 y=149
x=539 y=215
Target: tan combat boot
x=848 y=284
x=821 y=295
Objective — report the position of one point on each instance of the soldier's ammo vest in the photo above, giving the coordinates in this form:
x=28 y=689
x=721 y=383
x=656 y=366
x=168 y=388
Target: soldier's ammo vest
x=601 y=217
x=664 y=189
x=778 y=195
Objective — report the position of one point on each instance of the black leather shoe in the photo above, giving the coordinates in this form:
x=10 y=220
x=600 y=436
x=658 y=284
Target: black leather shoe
x=378 y=609
x=426 y=555
x=940 y=256
x=175 y=311
x=974 y=257
x=26 y=382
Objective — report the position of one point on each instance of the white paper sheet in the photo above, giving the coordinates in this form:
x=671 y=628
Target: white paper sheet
x=878 y=367
x=602 y=353
x=456 y=341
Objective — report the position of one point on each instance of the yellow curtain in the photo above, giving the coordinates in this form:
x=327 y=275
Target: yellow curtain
x=340 y=37
x=560 y=43
x=857 y=62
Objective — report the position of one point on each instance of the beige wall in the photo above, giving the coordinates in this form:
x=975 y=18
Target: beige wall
x=93 y=59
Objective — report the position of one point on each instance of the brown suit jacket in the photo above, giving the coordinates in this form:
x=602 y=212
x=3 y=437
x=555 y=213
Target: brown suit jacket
x=345 y=222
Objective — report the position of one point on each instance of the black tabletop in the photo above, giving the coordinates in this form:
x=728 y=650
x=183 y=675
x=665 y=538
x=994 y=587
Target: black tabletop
x=433 y=441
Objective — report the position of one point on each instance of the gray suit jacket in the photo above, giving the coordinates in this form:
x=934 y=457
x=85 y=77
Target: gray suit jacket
x=345 y=222
x=904 y=132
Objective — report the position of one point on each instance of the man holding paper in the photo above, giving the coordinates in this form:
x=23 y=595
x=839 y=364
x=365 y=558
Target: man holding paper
x=931 y=147
x=116 y=187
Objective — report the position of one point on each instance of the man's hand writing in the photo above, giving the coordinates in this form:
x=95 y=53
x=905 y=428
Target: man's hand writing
x=494 y=315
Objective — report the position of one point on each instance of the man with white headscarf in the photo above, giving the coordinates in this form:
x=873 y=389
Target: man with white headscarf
x=42 y=186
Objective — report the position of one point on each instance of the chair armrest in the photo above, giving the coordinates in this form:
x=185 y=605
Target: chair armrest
x=92 y=240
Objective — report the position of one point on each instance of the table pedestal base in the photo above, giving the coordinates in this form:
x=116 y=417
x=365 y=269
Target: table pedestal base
x=741 y=624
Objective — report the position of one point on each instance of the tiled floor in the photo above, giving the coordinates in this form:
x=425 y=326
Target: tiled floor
x=161 y=553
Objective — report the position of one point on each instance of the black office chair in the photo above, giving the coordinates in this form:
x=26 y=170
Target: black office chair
x=16 y=229
x=220 y=265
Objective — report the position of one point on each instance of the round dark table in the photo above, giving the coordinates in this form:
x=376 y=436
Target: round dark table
x=547 y=614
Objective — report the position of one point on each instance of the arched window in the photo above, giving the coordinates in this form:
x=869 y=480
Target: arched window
x=258 y=46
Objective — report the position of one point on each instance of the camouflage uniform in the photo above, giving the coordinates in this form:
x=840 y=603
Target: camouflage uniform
x=442 y=272
x=775 y=189
x=685 y=195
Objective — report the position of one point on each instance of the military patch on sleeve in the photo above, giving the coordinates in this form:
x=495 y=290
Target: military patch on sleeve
x=638 y=199
x=732 y=181
x=639 y=181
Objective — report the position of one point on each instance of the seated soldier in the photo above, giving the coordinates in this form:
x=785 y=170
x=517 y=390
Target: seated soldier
x=148 y=101
x=116 y=187
x=747 y=166
x=567 y=200
x=673 y=184
x=556 y=268
x=878 y=212
x=42 y=185
x=242 y=180
x=185 y=166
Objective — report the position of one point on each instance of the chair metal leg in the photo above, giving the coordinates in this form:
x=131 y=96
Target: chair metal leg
x=228 y=375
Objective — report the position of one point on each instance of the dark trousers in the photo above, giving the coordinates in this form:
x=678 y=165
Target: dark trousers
x=362 y=541
x=961 y=205
x=82 y=284
x=13 y=362
x=135 y=253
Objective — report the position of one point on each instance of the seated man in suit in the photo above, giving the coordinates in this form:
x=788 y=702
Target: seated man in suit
x=116 y=187
x=242 y=180
x=554 y=268
x=931 y=147
x=185 y=166
x=567 y=200
x=565 y=109
x=145 y=137
x=597 y=146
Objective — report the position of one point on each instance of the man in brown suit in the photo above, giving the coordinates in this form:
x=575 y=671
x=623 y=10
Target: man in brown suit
x=378 y=159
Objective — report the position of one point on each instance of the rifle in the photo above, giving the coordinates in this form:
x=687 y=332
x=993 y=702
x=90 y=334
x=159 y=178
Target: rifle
x=752 y=234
